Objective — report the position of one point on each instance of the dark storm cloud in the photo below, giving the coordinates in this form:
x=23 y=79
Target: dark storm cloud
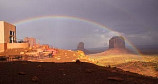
x=136 y=19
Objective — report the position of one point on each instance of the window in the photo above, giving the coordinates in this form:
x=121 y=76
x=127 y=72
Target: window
x=10 y=32
x=11 y=37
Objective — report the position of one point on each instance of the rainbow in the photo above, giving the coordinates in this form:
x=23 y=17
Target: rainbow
x=29 y=20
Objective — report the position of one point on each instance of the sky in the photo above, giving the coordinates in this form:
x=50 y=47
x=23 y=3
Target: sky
x=137 y=20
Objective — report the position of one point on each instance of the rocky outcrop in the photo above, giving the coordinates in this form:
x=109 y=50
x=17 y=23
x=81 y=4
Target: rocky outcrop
x=81 y=47
x=117 y=46
x=117 y=42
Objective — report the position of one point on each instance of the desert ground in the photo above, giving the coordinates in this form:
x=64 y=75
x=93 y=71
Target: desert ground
x=141 y=64
x=74 y=67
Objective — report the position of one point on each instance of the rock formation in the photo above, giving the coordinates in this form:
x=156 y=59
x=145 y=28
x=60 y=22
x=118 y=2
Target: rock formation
x=117 y=46
x=117 y=42
x=81 y=47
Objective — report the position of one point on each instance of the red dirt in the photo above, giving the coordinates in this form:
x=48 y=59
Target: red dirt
x=67 y=73
x=144 y=68
x=52 y=71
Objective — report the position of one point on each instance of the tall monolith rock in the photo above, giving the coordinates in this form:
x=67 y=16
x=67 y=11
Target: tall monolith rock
x=117 y=46
x=81 y=47
x=117 y=42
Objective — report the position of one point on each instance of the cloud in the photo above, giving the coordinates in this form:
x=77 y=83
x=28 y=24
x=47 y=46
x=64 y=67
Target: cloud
x=135 y=19
x=146 y=38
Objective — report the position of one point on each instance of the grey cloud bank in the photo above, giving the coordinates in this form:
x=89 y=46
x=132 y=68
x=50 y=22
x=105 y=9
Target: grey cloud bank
x=136 y=19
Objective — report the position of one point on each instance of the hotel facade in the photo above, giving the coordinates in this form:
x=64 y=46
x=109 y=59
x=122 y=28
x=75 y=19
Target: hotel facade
x=8 y=37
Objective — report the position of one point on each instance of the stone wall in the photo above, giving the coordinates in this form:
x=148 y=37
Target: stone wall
x=30 y=40
x=17 y=45
x=2 y=49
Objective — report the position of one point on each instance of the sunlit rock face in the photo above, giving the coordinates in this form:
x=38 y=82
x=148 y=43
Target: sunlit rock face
x=117 y=42
x=117 y=46
x=81 y=47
